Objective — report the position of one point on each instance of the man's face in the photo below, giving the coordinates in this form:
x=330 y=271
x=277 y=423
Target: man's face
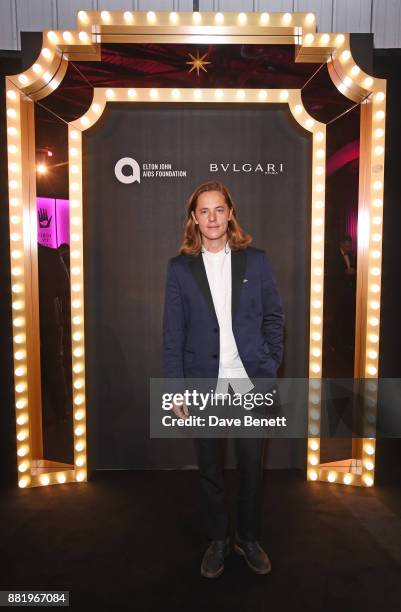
x=212 y=214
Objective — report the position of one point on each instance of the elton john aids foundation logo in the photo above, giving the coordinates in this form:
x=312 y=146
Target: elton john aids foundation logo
x=127 y=170
x=134 y=171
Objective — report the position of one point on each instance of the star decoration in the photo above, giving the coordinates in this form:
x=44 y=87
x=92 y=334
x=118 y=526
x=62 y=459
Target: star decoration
x=198 y=63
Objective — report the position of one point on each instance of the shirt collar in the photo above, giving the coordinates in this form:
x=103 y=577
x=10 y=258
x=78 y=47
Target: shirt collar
x=225 y=250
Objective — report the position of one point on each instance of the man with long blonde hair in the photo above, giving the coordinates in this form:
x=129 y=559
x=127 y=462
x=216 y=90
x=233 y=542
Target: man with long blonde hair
x=223 y=319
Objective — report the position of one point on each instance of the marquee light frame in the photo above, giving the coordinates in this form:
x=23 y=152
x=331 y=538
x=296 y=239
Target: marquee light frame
x=46 y=74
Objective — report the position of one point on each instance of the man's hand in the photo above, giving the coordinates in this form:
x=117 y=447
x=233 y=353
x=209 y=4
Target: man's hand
x=181 y=410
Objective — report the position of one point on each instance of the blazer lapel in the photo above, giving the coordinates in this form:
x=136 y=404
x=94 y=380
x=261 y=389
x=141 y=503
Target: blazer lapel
x=238 y=266
x=197 y=268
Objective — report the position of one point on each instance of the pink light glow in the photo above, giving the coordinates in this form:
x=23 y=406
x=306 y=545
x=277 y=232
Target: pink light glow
x=53 y=218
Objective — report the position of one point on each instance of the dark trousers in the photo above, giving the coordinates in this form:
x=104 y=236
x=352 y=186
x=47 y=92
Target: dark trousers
x=250 y=462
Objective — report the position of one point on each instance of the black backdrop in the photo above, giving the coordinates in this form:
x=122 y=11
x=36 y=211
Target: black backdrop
x=131 y=230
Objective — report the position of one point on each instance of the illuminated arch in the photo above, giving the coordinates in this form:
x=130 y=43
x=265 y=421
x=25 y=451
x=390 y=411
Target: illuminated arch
x=46 y=74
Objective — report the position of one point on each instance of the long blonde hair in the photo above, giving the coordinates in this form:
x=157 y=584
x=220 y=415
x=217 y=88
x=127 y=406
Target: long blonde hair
x=192 y=241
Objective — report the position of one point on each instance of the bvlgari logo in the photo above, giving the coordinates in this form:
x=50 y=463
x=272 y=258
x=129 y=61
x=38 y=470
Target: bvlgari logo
x=269 y=168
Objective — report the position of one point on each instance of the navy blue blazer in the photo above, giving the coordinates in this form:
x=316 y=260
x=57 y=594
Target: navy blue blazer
x=191 y=339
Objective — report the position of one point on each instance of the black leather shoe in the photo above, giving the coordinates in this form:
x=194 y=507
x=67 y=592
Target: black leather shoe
x=213 y=559
x=254 y=555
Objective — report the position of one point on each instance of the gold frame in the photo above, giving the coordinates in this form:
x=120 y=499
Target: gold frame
x=252 y=28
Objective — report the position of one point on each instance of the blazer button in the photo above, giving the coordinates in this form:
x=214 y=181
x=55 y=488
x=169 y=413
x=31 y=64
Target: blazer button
x=214 y=356
x=215 y=330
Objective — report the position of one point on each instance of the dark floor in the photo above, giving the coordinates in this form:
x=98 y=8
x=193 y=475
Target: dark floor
x=133 y=540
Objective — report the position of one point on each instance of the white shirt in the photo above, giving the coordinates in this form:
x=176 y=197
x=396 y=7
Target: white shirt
x=218 y=271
